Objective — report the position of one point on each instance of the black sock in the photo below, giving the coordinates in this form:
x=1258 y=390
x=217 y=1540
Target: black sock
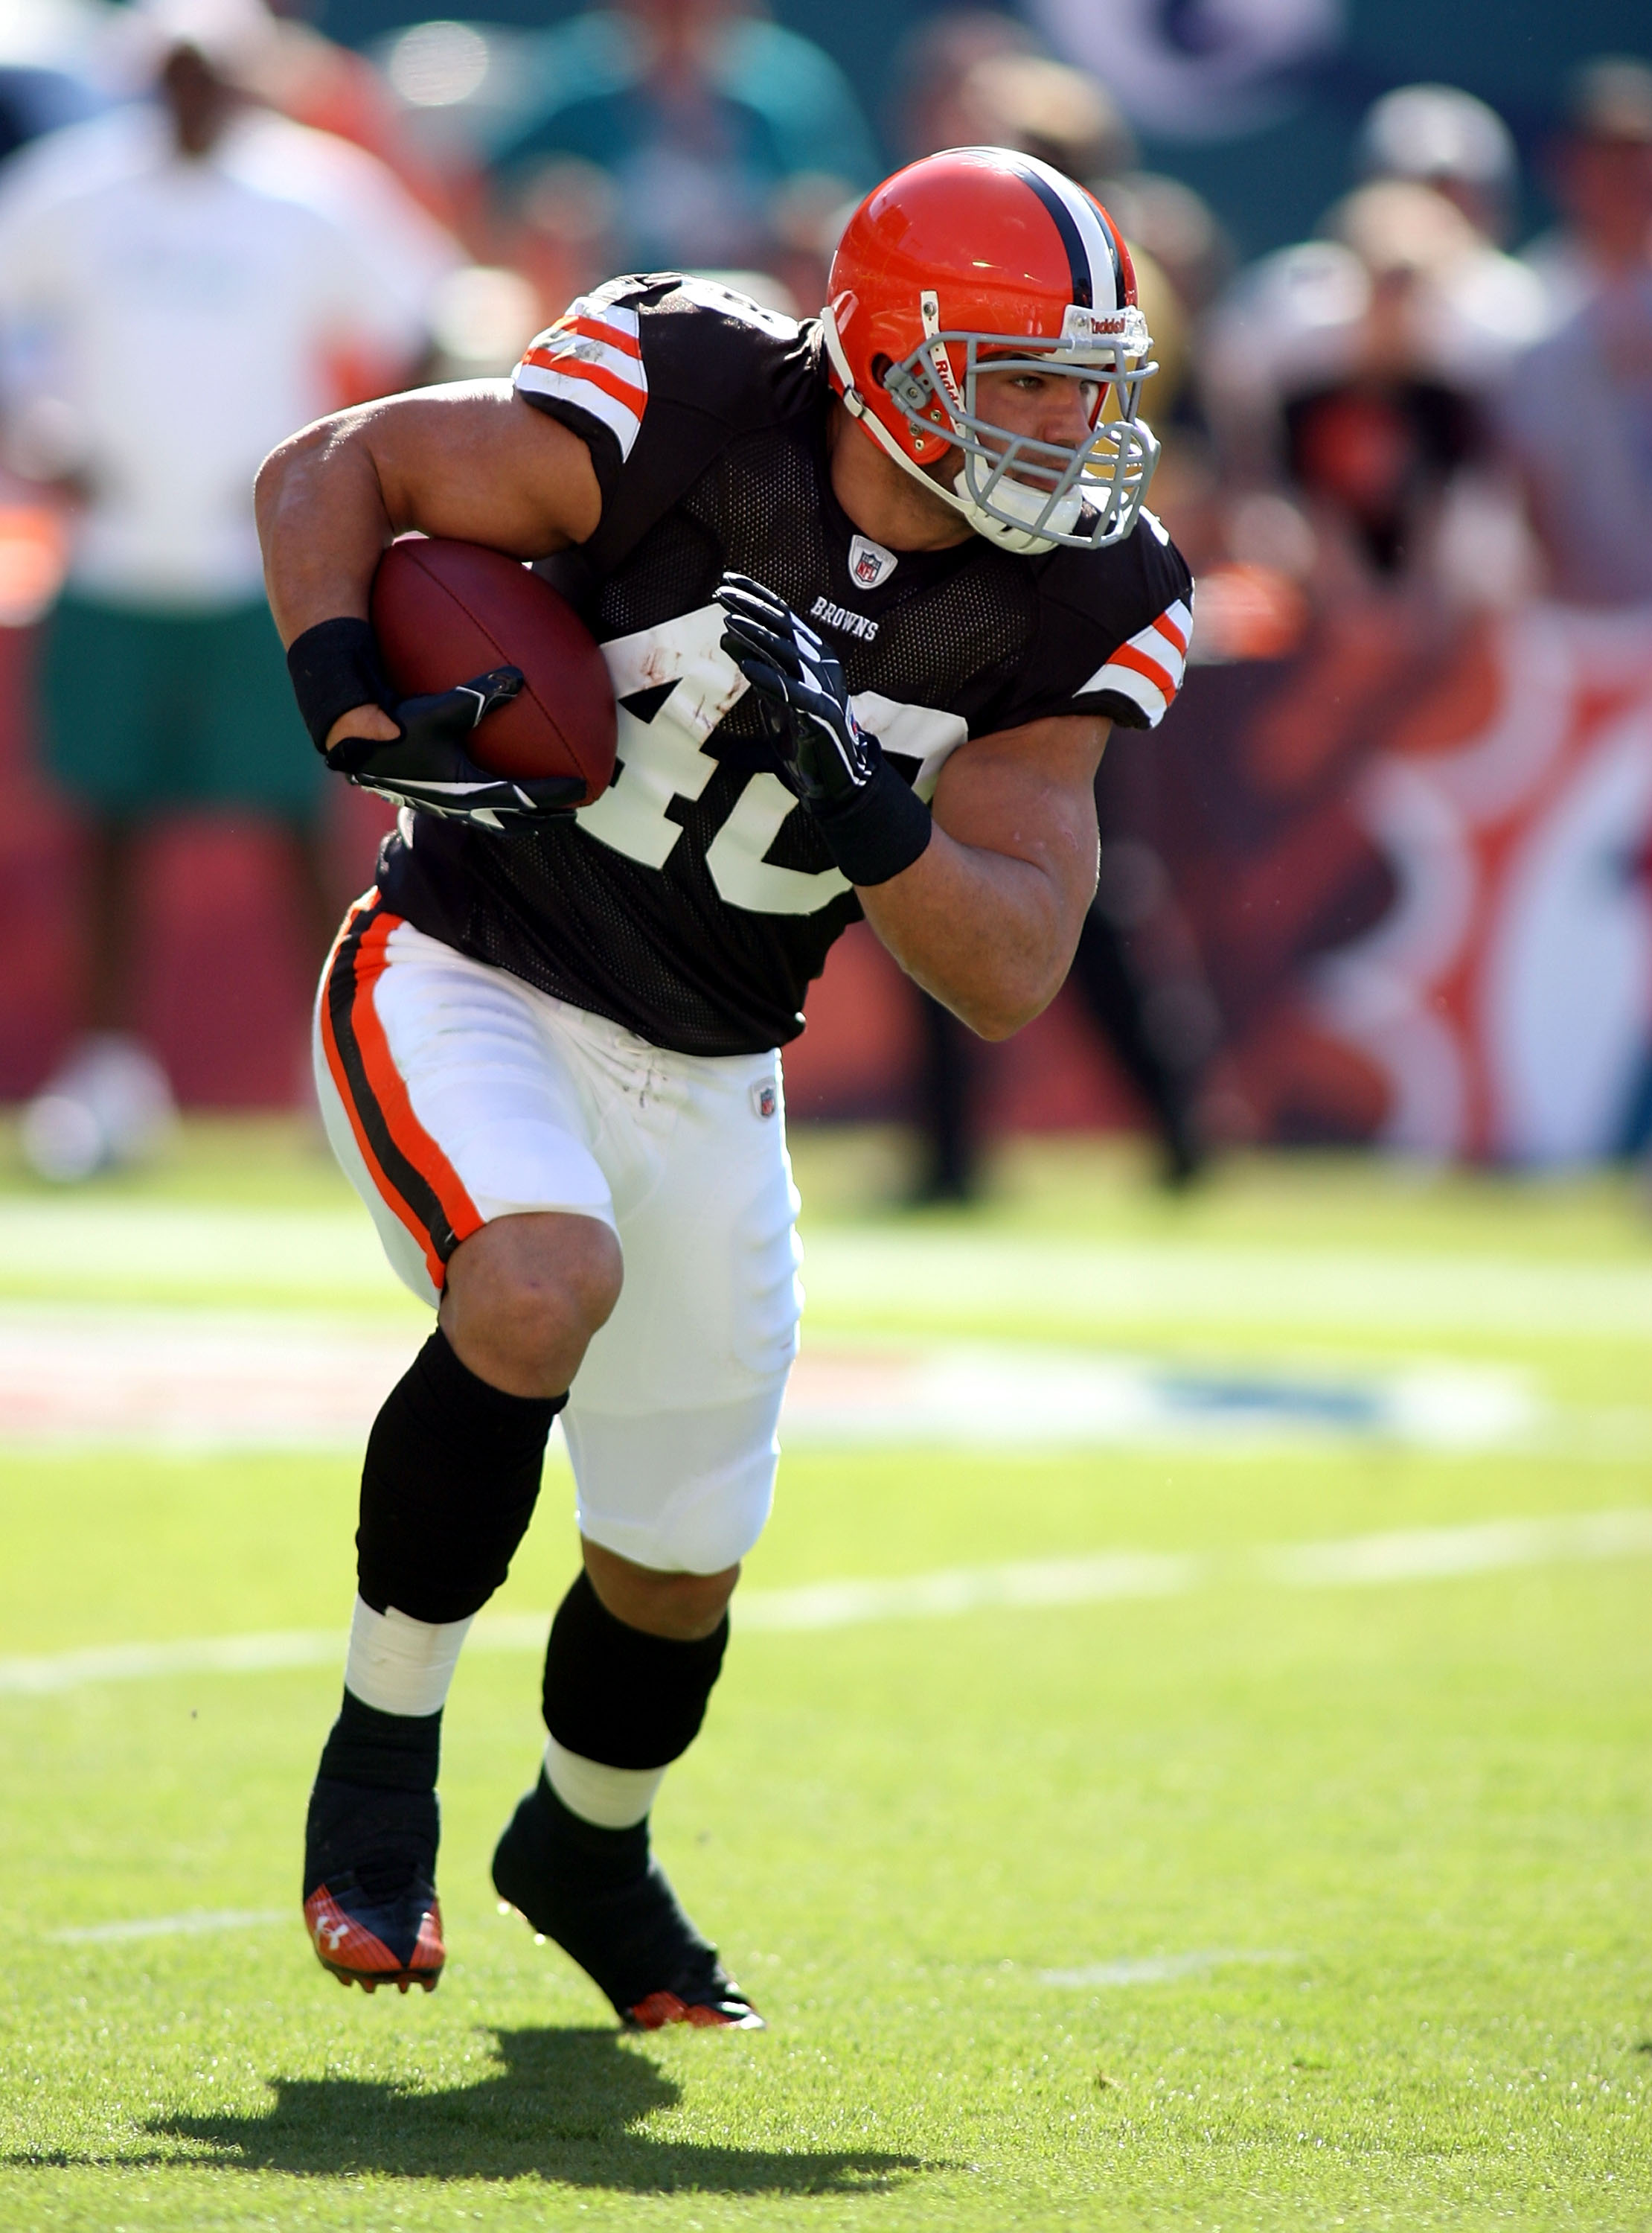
x=604 y=1900
x=390 y=1752
x=616 y=1695
x=448 y=1487
x=373 y=1810
x=628 y=1700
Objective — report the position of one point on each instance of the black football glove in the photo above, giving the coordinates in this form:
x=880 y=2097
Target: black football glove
x=874 y=823
x=825 y=755
x=427 y=766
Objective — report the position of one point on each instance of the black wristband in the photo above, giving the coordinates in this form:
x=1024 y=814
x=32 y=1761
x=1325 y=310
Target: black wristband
x=335 y=666
x=879 y=831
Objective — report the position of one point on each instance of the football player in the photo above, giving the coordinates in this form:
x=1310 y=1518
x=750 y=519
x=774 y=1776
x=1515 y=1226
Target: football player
x=871 y=590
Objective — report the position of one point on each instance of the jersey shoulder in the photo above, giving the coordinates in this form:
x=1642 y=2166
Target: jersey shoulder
x=657 y=374
x=1114 y=629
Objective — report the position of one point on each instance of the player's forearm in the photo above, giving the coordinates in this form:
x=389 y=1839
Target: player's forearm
x=987 y=917
x=992 y=937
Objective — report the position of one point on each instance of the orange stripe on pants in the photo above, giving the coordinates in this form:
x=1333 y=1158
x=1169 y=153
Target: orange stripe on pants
x=389 y=1092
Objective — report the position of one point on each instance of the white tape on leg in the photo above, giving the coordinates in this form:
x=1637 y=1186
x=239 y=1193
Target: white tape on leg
x=398 y=1664
x=613 y=1797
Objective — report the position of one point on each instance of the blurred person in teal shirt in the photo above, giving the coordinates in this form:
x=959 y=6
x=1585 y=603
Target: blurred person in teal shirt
x=711 y=124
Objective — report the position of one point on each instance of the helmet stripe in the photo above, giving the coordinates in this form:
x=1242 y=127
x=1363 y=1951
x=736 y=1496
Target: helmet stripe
x=1092 y=251
x=1066 y=224
x=1097 y=221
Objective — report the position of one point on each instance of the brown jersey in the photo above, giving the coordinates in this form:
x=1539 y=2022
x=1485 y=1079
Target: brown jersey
x=695 y=900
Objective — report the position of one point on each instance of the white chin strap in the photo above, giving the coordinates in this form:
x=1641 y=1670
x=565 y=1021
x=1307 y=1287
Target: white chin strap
x=1029 y=502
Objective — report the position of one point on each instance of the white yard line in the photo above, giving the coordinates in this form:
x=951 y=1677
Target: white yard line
x=1421 y=1555
x=1360 y=1561
x=953 y=1279
x=1155 y=1969
x=970 y=1588
x=198 y=1922
x=139 y=1662
x=114 y=1248
x=201 y=1923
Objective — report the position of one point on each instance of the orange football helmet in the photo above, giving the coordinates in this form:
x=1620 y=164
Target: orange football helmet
x=982 y=259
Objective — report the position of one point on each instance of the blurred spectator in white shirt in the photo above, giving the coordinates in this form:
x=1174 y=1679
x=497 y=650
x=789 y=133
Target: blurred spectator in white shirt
x=182 y=283
x=1600 y=175
x=1439 y=136
x=312 y=78
x=1577 y=418
x=1361 y=371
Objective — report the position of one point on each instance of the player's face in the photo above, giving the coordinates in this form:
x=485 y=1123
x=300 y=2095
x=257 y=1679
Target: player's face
x=1050 y=406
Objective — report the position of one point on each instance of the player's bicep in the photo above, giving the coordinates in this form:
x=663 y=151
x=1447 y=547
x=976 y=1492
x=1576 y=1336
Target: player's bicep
x=1029 y=793
x=474 y=462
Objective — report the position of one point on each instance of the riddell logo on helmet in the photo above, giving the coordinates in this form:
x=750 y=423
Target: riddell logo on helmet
x=1079 y=324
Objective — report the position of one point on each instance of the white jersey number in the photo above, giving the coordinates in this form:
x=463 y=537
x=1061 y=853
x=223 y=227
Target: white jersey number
x=664 y=758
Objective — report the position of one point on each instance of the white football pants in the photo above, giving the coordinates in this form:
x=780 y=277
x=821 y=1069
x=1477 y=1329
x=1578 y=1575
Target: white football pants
x=453 y=1093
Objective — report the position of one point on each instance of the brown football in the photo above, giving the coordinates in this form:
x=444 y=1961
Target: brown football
x=446 y=611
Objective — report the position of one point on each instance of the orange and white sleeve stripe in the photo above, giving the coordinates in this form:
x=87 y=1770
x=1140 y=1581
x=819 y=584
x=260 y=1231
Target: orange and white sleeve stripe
x=1149 y=668
x=592 y=356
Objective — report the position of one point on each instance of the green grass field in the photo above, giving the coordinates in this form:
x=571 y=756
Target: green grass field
x=1260 y=1902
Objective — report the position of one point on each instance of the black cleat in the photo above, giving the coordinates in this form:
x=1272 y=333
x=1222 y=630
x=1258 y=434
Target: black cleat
x=370 y=1902
x=606 y=1902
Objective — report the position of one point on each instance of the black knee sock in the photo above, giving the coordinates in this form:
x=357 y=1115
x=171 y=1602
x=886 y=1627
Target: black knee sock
x=373 y=1812
x=448 y=1487
x=602 y=1898
x=616 y=1695
x=628 y=1700
x=447 y=1490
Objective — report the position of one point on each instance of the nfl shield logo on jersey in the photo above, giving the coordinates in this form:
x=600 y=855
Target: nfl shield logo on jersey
x=765 y=1098
x=870 y=562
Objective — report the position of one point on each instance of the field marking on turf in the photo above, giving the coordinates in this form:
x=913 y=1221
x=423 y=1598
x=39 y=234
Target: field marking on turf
x=1417 y=1554
x=196 y=1922
x=942 y=1278
x=1155 y=1969
x=1409 y=1555
x=74 y=1376
x=971 y=1589
x=204 y=1655
x=162 y=1247
x=952 y=1278
x=1422 y=1554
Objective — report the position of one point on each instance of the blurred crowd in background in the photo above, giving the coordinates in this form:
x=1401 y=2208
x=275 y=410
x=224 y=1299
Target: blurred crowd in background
x=1386 y=876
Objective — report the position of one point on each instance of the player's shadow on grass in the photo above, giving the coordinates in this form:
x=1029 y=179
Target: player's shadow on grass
x=566 y=2106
